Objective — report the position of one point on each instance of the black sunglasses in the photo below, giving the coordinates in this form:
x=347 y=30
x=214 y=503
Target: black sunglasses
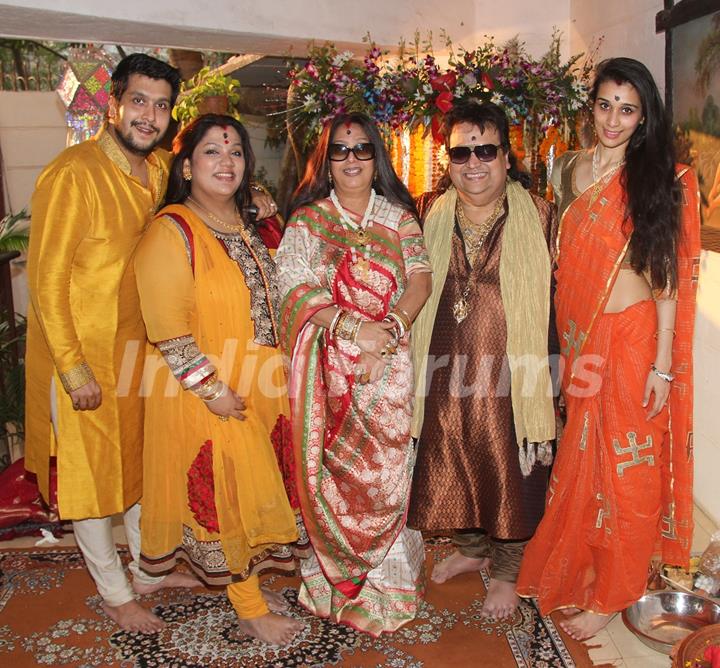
x=340 y=152
x=459 y=155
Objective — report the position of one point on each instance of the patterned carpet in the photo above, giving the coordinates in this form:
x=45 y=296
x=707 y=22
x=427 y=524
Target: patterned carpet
x=50 y=615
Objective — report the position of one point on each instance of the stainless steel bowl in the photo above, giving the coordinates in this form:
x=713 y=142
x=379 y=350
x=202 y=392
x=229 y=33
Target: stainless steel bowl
x=662 y=618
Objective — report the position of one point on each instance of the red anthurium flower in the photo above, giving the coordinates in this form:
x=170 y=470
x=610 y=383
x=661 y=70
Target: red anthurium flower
x=445 y=82
x=444 y=101
x=436 y=129
x=486 y=81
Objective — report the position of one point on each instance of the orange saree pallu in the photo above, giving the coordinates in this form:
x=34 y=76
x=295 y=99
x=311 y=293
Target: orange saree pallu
x=352 y=441
x=621 y=486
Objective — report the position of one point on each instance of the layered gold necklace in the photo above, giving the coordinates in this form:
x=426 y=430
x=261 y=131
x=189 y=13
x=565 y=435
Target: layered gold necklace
x=474 y=237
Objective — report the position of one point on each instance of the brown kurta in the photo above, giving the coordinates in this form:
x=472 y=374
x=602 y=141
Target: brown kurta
x=467 y=474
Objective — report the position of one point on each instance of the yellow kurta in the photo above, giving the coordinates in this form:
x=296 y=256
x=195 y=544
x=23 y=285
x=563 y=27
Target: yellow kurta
x=88 y=214
x=214 y=306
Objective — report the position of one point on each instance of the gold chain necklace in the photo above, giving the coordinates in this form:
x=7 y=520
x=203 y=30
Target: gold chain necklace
x=601 y=180
x=236 y=228
x=461 y=308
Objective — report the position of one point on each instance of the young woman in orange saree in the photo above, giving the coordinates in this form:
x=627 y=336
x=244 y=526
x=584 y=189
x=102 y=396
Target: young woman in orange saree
x=350 y=285
x=628 y=257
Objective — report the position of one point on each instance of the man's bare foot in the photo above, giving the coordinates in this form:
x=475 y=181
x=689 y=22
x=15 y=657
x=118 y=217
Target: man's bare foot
x=271 y=628
x=585 y=625
x=501 y=600
x=275 y=600
x=455 y=564
x=569 y=612
x=131 y=616
x=174 y=579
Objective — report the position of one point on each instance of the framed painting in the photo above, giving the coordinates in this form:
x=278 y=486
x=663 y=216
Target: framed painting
x=692 y=61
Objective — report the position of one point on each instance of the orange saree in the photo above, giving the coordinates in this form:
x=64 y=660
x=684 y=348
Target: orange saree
x=621 y=486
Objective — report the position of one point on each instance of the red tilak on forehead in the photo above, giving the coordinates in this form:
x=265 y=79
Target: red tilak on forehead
x=225 y=134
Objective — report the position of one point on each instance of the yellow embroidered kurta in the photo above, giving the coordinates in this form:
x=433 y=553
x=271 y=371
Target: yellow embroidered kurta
x=88 y=214
x=214 y=306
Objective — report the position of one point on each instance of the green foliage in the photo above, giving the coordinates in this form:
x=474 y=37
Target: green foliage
x=12 y=387
x=15 y=232
x=205 y=83
x=260 y=177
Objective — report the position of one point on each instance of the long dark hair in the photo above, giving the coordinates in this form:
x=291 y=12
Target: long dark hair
x=482 y=114
x=652 y=190
x=184 y=144
x=315 y=184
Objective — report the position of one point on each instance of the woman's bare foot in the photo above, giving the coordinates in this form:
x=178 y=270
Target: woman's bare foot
x=501 y=600
x=585 y=625
x=271 y=628
x=131 y=616
x=174 y=579
x=275 y=600
x=456 y=564
x=569 y=612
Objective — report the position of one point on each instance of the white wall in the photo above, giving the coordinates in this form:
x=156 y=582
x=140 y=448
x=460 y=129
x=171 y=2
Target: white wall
x=707 y=390
x=276 y=25
x=32 y=133
x=627 y=28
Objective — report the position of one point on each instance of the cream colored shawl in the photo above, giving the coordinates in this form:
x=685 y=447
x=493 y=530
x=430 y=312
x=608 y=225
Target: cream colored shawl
x=525 y=291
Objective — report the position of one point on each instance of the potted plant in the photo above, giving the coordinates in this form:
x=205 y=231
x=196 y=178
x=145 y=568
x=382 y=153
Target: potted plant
x=14 y=238
x=209 y=91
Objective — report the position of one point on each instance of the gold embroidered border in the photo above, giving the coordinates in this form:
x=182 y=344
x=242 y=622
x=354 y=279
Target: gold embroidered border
x=76 y=377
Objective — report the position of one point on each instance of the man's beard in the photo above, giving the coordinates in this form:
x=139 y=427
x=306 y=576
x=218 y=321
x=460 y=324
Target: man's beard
x=127 y=141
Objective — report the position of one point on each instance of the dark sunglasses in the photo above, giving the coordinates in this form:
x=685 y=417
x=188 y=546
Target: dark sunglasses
x=459 y=155
x=340 y=152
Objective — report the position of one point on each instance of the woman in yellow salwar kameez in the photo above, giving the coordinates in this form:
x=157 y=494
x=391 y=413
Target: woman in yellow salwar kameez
x=215 y=385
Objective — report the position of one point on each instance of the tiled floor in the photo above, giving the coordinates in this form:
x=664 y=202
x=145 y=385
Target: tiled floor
x=617 y=646
x=614 y=645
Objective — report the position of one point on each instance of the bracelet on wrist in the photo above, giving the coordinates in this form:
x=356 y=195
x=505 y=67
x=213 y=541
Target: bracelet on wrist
x=665 y=329
x=219 y=390
x=665 y=375
x=407 y=320
x=399 y=323
x=334 y=321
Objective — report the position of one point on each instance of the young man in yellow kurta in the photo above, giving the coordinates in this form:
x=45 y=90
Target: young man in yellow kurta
x=86 y=335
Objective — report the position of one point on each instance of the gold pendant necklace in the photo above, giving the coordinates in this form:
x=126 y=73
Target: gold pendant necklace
x=461 y=308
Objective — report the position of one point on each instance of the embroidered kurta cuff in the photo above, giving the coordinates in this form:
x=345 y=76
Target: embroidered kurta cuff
x=76 y=377
x=189 y=366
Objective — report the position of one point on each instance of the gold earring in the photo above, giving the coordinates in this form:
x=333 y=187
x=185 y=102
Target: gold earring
x=187 y=172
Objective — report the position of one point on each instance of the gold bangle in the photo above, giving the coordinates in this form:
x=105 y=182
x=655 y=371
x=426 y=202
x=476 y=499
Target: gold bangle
x=665 y=329
x=217 y=392
x=407 y=319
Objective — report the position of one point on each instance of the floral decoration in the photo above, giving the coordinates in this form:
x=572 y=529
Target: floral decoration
x=413 y=90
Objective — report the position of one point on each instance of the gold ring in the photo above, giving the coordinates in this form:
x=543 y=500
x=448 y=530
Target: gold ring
x=223 y=418
x=383 y=352
x=365 y=378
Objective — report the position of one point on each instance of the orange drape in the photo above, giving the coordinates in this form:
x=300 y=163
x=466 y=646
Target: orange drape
x=621 y=487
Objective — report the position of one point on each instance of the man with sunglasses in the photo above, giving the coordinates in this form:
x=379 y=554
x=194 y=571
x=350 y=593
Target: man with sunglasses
x=484 y=414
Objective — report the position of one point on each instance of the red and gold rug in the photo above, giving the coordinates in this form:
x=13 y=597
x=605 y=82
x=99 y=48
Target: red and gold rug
x=50 y=616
